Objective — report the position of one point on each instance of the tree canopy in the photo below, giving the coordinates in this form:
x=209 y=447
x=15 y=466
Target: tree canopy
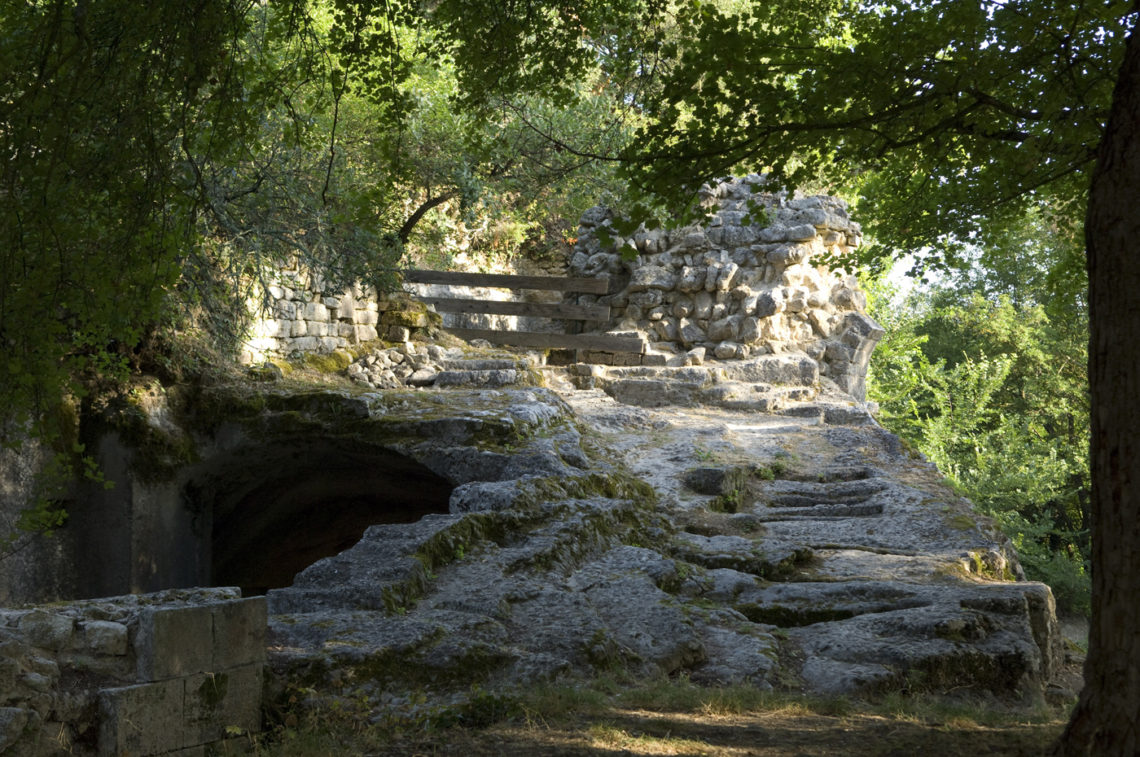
x=947 y=118
x=157 y=161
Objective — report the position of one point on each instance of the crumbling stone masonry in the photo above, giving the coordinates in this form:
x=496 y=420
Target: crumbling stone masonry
x=175 y=671
x=311 y=316
x=738 y=289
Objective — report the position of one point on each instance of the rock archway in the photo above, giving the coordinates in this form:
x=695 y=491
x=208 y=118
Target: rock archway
x=275 y=509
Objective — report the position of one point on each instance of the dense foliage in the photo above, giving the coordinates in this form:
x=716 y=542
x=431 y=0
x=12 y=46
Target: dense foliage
x=159 y=161
x=951 y=117
x=990 y=384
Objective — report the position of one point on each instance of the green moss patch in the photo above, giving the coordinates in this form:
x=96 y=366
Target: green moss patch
x=333 y=362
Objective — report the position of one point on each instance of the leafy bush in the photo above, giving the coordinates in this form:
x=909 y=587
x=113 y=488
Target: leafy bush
x=994 y=392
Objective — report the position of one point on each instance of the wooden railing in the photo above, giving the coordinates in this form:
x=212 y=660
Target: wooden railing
x=565 y=311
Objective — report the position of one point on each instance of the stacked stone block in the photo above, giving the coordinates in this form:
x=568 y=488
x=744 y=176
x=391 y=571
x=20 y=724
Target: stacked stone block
x=736 y=289
x=303 y=317
x=177 y=671
x=307 y=315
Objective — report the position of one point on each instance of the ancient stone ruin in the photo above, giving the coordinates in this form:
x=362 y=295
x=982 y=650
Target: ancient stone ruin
x=440 y=520
x=141 y=674
x=738 y=288
x=754 y=282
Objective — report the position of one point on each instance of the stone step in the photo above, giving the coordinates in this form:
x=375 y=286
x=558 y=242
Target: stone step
x=490 y=379
x=831 y=413
x=821 y=510
x=483 y=364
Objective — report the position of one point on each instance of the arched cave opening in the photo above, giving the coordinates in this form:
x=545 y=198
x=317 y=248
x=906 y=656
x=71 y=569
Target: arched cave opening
x=276 y=509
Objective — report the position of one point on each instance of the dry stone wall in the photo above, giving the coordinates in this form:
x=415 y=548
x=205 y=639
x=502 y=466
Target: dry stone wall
x=140 y=675
x=735 y=289
x=306 y=314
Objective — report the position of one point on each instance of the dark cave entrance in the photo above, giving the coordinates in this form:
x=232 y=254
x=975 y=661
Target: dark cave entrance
x=277 y=509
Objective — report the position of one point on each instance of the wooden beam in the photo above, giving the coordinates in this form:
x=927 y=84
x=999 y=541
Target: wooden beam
x=595 y=285
x=600 y=342
x=539 y=309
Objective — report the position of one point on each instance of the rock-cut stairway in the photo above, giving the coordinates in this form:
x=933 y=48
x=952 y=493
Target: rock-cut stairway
x=735 y=527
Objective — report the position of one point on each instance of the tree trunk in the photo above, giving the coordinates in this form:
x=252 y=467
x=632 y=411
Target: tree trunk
x=1106 y=721
x=405 y=231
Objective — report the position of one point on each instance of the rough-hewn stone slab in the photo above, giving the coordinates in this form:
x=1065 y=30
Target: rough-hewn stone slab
x=178 y=641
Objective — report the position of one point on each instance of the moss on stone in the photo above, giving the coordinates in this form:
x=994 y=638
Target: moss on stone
x=213 y=690
x=62 y=422
x=980 y=566
x=970 y=668
x=961 y=521
x=332 y=362
x=160 y=448
x=468 y=664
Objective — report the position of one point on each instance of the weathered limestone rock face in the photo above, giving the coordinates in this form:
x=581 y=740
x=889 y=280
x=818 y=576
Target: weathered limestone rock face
x=778 y=550
x=736 y=290
x=769 y=533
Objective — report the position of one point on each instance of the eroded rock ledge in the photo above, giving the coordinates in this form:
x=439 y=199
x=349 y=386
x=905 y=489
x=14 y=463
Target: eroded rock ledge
x=767 y=532
x=718 y=540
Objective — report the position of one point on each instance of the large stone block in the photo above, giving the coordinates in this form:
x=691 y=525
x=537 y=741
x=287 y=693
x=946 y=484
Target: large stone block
x=47 y=630
x=692 y=279
x=725 y=328
x=689 y=332
x=174 y=641
x=286 y=309
x=105 y=637
x=768 y=304
x=407 y=315
x=653 y=392
x=749 y=329
x=145 y=719
x=728 y=276
x=346 y=308
x=239 y=632
x=180 y=641
x=794 y=370
x=651 y=277
x=213 y=702
x=365 y=333
x=304 y=343
x=315 y=311
x=365 y=317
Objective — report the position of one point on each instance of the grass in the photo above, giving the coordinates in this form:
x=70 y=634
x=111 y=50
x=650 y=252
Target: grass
x=676 y=717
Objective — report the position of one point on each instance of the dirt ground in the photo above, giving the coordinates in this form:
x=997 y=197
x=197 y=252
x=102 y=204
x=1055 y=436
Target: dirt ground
x=777 y=734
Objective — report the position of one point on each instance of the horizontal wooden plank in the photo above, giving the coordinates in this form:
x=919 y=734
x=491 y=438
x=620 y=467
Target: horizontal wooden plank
x=600 y=342
x=539 y=309
x=597 y=285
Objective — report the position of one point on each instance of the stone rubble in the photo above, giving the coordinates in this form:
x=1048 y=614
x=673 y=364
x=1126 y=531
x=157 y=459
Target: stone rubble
x=408 y=364
x=421 y=366
x=739 y=288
